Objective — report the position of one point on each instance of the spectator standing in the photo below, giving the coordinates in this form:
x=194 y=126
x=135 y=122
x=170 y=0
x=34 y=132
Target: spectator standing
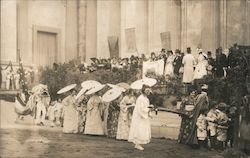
x=177 y=62
x=188 y=62
x=220 y=63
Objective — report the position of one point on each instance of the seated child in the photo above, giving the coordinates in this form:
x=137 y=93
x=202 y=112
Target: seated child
x=202 y=129
x=211 y=117
x=222 y=126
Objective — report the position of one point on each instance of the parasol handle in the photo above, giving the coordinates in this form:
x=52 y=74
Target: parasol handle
x=153 y=109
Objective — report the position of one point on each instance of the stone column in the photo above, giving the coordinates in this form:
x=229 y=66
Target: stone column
x=210 y=25
x=71 y=31
x=151 y=25
x=174 y=22
x=108 y=24
x=8 y=31
x=223 y=23
x=183 y=25
x=82 y=17
x=247 y=23
x=134 y=14
x=91 y=30
x=22 y=29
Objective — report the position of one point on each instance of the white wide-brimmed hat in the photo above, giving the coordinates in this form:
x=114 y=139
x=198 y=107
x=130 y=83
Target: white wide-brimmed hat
x=95 y=89
x=66 y=89
x=145 y=81
x=111 y=95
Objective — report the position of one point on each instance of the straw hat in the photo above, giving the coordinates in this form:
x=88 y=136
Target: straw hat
x=66 y=89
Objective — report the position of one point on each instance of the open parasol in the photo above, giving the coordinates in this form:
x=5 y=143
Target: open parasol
x=111 y=95
x=95 y=89
x=116 y=87
x=81 y=92
x=145 y=81
x=124 y=85
x=66 y=89
x=89 y=84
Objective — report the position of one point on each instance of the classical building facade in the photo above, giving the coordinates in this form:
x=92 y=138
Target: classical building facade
x=43 y=32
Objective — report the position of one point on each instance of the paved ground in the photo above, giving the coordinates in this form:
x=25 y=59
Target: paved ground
x=25 y=140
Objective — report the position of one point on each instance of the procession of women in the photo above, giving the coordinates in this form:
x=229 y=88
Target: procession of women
x=119 y=111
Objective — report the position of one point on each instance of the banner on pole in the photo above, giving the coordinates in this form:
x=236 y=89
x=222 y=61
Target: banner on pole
x=113 y=42
x=166 y=40
x=130 y=40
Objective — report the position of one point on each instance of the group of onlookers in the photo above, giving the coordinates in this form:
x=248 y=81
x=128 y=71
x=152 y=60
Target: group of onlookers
x=209 y=124
x=175 y=63
x=10 y=77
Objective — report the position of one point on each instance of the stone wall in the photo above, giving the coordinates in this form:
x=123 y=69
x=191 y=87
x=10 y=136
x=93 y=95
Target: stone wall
x=8 y=31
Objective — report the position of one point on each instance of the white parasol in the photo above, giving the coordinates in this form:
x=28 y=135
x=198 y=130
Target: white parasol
x=95 y=89
x=81 y=92
x=66 y=89
x=116 y=87
x=145 y=81
x=124 y=85
x=111 y=95
x=89 y=83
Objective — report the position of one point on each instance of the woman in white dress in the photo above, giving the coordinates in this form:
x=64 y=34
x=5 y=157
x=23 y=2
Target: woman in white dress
x=201 y=67
x=188 y=62
x=140 y=130
x=70 y=124
x=124 y=119
x=93 y=125
x=169 y=68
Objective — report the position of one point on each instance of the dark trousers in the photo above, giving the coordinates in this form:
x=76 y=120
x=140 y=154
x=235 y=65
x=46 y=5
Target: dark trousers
x=203 y=143
x=220 y=145
x=212 y=140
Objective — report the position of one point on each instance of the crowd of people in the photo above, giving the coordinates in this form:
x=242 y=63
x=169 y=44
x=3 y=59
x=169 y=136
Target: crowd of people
x=10 y=77
x=175 y=63
x=209 y=123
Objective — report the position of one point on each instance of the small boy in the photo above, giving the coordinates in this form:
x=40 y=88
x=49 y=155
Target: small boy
x=211 y=117
x=202 y=129
x=40 y=112
x=222 y=126
x=51 y=114
x=58 y=112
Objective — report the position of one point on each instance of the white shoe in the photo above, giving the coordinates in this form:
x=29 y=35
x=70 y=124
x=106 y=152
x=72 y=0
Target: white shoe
x=139 y=147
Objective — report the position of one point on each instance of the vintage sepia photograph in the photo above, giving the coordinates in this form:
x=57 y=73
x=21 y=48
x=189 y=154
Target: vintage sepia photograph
x=125 y=79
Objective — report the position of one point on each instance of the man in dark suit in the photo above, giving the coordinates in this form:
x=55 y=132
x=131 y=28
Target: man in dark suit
x=177 y=62
x=220 y=63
